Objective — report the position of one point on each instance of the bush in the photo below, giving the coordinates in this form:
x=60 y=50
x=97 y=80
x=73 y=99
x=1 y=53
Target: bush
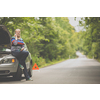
x=39 y=61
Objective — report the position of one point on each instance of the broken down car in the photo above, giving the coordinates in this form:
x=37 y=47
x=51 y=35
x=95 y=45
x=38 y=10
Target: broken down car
x=9 y=65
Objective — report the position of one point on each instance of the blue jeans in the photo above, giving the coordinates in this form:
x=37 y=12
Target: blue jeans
x=21 y=57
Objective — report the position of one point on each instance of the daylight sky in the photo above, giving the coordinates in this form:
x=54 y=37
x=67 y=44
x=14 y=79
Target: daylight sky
x=75 y=23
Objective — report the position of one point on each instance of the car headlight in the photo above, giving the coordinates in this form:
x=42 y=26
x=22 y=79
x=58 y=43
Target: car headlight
x=5 y=61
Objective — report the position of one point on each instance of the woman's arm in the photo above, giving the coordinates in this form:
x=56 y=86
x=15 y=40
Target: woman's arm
x=14 y=41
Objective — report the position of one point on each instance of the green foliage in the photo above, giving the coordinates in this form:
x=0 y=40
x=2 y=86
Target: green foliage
x=91 y=37
x=48 y=39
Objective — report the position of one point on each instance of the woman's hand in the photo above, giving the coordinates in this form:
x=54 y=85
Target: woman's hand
x=15 y=36
x=22 y=49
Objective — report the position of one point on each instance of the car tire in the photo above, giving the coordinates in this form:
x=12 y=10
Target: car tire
x=30 y=70
x=18 y=74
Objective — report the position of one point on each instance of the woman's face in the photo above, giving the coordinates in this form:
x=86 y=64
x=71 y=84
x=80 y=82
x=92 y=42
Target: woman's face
x=17 y=32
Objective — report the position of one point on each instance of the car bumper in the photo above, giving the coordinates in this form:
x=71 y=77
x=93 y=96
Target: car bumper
x=7 y=69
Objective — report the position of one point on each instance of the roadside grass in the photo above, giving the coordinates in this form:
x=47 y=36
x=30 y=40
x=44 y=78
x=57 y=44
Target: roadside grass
x=98 y=60
x=42 y=62
x=52 y=63
x=91 y=57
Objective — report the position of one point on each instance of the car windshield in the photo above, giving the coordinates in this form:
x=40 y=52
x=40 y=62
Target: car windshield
x=5 y=50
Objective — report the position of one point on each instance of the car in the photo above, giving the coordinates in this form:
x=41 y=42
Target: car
x=9 y=65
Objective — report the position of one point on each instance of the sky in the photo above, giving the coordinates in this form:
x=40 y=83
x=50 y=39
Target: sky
x=75 y=23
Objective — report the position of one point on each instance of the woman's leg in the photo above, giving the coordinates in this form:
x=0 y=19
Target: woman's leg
x=25 y=72
x=21 y=56
x=16 y=53
x=22 y=59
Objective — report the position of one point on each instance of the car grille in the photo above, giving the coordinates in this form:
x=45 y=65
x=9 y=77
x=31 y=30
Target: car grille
x=4 y=72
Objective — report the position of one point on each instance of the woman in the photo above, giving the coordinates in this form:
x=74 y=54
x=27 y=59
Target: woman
x=17 y=50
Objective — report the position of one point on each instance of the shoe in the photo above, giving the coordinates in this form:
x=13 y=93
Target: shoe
x=29 y=79
x=21 y=66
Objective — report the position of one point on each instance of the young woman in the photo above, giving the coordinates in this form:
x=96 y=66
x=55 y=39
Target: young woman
x=17 y=50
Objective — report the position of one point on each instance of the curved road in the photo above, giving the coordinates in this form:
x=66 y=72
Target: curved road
x=73 y=71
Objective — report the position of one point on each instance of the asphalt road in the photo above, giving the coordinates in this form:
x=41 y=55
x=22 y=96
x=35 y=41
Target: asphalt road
x=73 y=71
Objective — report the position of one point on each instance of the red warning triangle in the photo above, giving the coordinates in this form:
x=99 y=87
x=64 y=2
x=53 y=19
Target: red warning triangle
x=35 y=67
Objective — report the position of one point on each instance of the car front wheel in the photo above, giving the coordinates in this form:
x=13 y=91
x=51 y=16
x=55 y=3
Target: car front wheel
x=18 y=74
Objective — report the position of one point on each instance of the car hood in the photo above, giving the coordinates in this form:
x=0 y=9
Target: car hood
x=5 y=37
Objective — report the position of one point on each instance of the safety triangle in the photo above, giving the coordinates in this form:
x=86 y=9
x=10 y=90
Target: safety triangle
x=35 y=67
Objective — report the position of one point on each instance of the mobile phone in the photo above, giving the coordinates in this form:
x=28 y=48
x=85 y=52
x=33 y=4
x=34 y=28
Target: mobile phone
x=15 y=34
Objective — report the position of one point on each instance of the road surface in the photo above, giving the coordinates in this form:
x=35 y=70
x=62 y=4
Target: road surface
x=73 y=71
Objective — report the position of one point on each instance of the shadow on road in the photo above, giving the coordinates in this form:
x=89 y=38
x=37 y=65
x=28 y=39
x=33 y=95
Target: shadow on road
x=8 y=79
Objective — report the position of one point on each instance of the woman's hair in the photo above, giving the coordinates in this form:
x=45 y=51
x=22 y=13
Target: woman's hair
x=18 y=30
